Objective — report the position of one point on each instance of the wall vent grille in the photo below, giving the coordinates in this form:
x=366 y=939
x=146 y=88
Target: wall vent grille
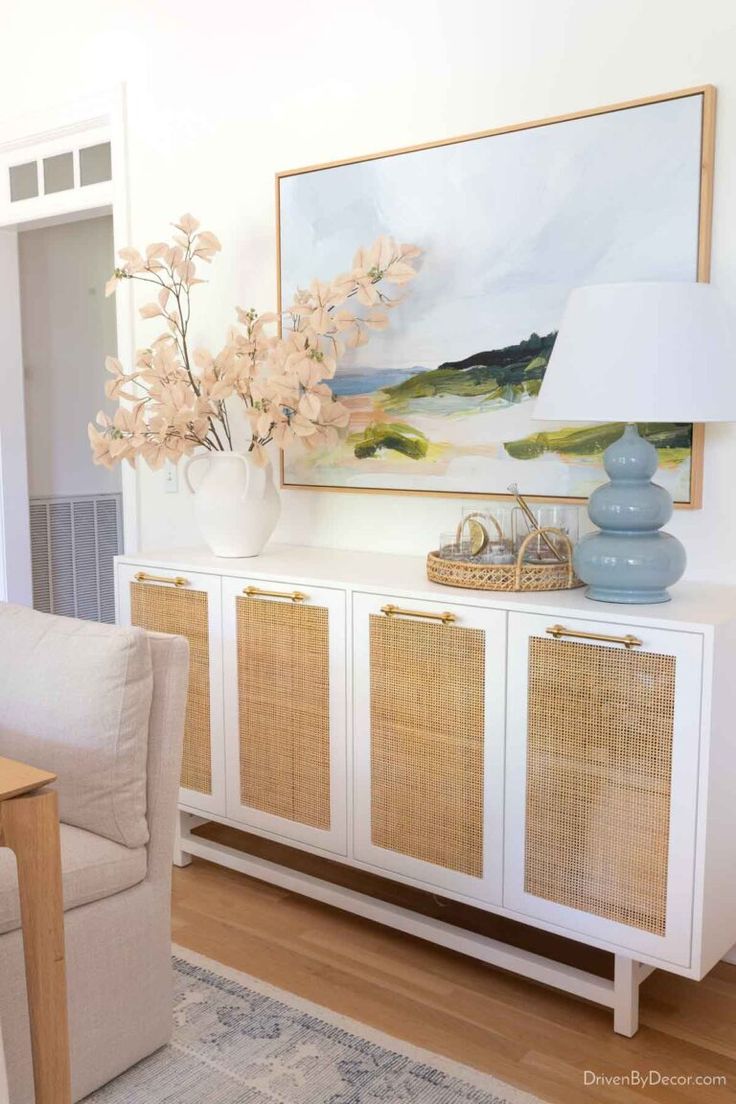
x=73 y=542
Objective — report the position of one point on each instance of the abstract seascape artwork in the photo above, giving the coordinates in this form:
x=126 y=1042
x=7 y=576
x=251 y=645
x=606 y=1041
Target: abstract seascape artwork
x=442 y=402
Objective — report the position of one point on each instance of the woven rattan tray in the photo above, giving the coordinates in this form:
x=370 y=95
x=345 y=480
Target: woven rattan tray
x=513 y=576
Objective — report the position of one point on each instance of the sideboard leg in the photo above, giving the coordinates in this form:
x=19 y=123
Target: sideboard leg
x=181 y=857
x=626 y=976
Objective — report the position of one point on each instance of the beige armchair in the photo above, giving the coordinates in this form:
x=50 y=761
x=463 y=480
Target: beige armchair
x=103 y=708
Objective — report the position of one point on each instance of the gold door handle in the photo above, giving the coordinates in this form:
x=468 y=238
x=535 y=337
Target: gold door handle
x=292 y=595
x=396 y=611
x=175 y=580
x=628 y=641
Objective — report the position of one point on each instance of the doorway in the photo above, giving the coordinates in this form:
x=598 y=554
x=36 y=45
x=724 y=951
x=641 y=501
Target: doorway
x=63 y=217
x=67 y=329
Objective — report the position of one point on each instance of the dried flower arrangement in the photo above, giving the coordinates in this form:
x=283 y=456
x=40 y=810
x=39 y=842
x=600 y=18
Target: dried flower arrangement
x=175 y=400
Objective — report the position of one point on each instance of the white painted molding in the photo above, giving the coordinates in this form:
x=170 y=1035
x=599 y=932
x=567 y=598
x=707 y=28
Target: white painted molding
x=15 y=535
x=93 y=119
x=61 y=120
x=53 y=134
x=124 y=302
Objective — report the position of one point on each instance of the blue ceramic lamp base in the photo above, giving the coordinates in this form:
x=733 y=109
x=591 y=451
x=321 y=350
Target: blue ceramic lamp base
x=629 y=560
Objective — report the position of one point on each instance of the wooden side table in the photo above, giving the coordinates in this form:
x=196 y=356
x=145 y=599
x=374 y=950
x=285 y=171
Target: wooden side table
x=29 y=826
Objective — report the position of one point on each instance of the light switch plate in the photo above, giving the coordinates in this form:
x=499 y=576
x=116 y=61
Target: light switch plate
x=171 y=478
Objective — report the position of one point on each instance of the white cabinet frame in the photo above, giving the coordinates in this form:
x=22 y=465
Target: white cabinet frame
x=675 y=945
x=698 y=627
x=192 y=800
x=334 y=601
x=488 y=888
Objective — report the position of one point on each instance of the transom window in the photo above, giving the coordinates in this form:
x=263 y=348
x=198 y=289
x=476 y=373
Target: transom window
x=60 y=172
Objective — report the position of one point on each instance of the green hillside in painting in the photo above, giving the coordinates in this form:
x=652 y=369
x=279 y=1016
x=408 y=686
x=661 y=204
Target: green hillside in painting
x=592 y=440
x=489 y=381
x=509 y=374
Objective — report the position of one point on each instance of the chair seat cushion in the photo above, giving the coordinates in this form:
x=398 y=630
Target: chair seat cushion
x=75 y=699
x=92 y=867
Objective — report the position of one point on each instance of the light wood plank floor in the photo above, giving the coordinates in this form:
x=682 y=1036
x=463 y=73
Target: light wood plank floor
x=529 y=1036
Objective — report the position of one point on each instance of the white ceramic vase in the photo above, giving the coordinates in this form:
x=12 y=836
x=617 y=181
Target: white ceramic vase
x=235 y=502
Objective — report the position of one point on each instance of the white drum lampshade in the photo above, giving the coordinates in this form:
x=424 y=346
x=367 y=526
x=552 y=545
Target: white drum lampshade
x=640 y=352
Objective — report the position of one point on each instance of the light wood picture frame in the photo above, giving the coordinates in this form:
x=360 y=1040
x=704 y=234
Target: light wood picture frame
x=576 y=179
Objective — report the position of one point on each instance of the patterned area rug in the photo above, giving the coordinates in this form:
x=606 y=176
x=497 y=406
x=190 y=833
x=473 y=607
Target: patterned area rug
x=238 y=1040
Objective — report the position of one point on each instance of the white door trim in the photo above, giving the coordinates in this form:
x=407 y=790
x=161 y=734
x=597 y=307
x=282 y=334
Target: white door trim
x=30 y=137
x=15 y=530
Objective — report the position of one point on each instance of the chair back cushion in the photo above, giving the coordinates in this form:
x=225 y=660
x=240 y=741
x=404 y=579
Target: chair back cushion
x=75 y=699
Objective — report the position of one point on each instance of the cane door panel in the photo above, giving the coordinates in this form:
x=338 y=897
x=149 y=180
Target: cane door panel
x=602 y=751
x=285 y=710
x=187 y=604
x=428 y=742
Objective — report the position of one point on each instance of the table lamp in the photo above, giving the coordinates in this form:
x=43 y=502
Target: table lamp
x=644 y=352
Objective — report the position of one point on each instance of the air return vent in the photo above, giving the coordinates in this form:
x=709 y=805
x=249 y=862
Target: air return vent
x=73 y=541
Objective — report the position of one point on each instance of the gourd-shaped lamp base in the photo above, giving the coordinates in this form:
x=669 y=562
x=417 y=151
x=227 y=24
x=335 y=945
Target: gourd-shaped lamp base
x=629 y=559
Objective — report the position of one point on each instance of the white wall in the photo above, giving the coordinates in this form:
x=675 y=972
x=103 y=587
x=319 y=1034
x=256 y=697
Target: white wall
x=223 y=94
x=68 y=327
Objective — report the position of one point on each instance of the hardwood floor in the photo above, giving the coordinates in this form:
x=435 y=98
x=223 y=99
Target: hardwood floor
x=532 y=1037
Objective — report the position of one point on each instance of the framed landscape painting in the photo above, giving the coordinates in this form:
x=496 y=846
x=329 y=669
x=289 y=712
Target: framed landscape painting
x=509 y=222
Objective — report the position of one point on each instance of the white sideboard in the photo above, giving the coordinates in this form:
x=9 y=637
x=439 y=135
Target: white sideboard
x=567 y=764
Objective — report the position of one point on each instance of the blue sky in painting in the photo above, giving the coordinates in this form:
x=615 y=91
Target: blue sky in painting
x=509 y=225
